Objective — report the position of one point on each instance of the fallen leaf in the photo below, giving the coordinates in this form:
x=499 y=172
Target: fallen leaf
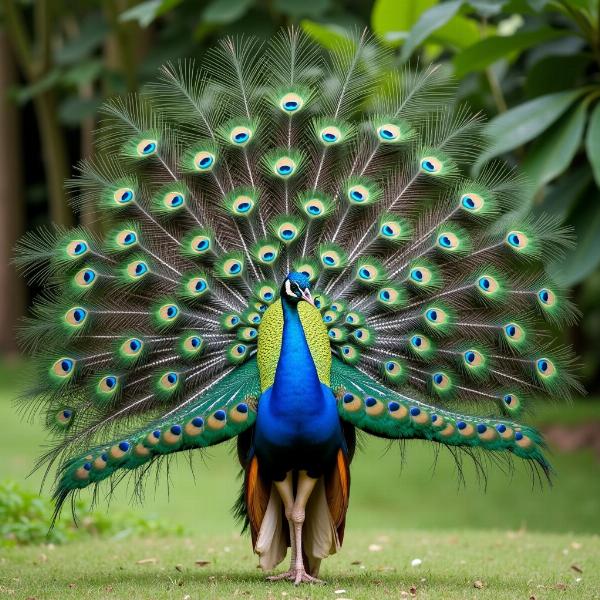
x=577 y=568
x=179 y=568
x=413 y=590
x=356 y=562
x=147 y=561
x=576 y=545
x=561 y=586
x=202 y=563
x=375 y=548
x=478 y=584
x=532 y=598
x=71 y=585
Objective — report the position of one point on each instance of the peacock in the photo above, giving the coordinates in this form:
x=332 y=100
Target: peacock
x=291 y=246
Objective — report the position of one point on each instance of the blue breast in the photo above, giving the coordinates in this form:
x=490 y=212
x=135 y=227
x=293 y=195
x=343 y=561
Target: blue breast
x=297 y=410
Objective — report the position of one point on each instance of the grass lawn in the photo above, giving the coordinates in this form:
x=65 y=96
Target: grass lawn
x=518 y=540
x=507 y=565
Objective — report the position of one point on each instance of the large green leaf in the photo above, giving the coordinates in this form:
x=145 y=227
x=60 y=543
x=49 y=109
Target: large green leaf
x=525 y=122
x=592 y=143
x=225 y=11
x=585 y=257
x=146 y=12
x=430 y=21
x=481 y=55
x=563 y=195
x=556 y=73
x=392 y=20
x=459 y=33
x=306 y=8
x=552 y=153
x=331 y=37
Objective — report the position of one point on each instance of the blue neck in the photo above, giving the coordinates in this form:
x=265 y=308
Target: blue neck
x=296 y=379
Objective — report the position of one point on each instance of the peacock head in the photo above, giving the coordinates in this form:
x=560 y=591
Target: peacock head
x=296 y=287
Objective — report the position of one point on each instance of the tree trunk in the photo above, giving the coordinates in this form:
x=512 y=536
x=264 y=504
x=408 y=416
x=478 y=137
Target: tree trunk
x=12 y=202
x=54 y=152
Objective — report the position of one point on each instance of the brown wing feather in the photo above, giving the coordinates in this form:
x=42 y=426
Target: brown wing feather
x=257 y=493
x=337 y=491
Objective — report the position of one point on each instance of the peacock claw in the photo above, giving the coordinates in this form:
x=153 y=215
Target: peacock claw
x=297 y=576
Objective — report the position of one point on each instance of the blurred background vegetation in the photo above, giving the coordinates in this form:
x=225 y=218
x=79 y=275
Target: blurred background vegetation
x=531 y=66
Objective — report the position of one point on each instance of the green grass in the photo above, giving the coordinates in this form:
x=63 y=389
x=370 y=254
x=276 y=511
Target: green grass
x=509 y=565
x=419 y=511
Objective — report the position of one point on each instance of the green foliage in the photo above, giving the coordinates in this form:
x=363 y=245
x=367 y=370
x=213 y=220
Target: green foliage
x=25 y=518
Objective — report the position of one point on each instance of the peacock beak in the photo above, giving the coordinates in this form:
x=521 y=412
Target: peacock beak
x=306 y=295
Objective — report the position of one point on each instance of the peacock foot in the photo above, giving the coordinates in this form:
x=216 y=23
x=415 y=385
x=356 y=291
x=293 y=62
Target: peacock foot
x=297 y=576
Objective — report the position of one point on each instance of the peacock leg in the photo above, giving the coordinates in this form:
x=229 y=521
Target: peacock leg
x=286 y=491
x=295 y=509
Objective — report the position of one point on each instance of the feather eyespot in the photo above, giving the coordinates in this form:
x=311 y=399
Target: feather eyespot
x=545 y=368
x=448 y=241
x=243 y=205
x=287 y=232
x=430 y=165
x=473 y=359
x=64 y=418
x=123 y=195
x=192 y=344
x=237 y=353
x=147 y=147
x=108 y=385
x=349 y=354
x=514 y=333
x=204 y=161
x=546 y=297
x=390 y=230
x=247 y=334
x=137 y=269
x=76 y=317
x=358 y=194
x=330 y=259
x=85 y=278
x=267 y=253
x=436 y=316
x=132 y=348
x=77 y=248
x=197 y=286
x=291 y=102
x=63 y=367
x=200 y=244
x=126 y=238
x=488 y=285
x=441 y=382
x=266 y=293
x=472 y=202
x=314 y=208
x=231 y=321
x=284 y=167
x=330 y=135
x=512 y=402
x=420 y=344
x=174 y=200
x=517 y=240
x=233 y=267
x=169 y=380
x=421 y=275
x=241 y=135
x=168 y=312
x=388 y=133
